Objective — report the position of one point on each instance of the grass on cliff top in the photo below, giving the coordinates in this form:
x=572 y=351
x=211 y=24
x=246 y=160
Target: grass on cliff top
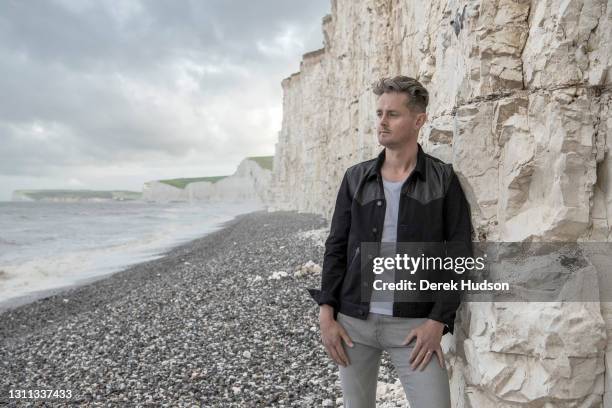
x=114 y=194
x=182 y=182
x=265 y=162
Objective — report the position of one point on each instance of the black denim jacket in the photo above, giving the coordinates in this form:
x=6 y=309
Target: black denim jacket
x=432 y=208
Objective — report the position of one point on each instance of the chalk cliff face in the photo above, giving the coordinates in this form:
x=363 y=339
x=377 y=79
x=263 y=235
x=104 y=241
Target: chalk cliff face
x=157 y=191
x=520 y=105
x=250 y=182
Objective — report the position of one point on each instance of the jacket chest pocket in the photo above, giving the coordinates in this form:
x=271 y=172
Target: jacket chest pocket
x=409 y=233
x=418 y=222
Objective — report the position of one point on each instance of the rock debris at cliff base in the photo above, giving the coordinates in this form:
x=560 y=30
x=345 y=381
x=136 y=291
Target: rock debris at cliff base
x=203 y=326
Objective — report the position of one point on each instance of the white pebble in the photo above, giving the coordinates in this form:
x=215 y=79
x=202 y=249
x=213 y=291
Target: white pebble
x=278 y=275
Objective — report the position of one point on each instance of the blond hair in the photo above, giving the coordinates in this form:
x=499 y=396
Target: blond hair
x=418 y=97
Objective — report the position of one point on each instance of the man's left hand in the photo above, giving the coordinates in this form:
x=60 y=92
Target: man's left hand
x=428 y=337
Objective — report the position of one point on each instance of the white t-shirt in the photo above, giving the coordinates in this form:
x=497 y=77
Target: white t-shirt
x=382 y=301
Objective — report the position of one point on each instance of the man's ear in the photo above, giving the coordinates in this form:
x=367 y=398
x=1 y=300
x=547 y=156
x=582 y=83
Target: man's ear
x=421 y=119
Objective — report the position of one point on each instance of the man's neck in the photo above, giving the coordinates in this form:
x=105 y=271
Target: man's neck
x=400 y=161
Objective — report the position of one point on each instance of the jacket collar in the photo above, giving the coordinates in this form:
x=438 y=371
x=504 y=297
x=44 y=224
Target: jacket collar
x=419 y=169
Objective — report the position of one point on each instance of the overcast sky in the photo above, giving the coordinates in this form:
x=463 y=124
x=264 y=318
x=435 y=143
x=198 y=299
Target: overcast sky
x=109 y=94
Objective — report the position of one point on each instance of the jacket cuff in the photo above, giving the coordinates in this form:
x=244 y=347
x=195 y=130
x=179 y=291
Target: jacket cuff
x=323 y=298
x=448 y=324
x=318 y=297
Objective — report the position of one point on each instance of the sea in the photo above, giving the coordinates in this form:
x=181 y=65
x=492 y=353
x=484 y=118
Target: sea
x=46 y=246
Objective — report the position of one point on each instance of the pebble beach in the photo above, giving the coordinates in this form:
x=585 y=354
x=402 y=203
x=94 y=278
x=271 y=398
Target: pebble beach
x=222 y=321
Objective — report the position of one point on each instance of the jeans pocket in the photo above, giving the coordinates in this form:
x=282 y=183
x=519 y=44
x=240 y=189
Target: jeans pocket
x=344 y=320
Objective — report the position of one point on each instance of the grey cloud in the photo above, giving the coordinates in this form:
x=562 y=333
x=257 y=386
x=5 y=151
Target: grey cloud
x=157 y=30
x=151 y=81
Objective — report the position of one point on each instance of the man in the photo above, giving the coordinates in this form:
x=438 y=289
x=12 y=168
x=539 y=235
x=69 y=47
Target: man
x=404 y=195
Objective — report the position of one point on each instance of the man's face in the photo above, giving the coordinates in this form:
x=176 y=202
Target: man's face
x=397 y=124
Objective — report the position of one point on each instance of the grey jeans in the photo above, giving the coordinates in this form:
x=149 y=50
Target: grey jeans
x=424 y=389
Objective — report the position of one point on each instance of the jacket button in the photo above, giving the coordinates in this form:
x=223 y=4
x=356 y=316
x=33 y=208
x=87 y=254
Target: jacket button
x=370 y=256
x=360 y=312
x=379 y=203
x=374 y=230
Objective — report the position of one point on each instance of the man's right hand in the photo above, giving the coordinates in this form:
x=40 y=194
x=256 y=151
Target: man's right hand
x=332 y=335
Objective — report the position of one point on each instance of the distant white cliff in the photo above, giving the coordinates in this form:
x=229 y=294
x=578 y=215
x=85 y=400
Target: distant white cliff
x=250 y=182
x=73 y=196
